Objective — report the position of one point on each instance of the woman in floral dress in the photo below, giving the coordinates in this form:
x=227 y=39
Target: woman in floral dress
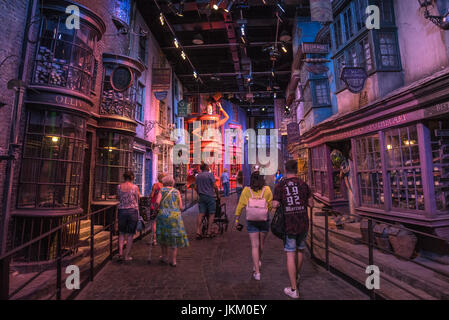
x=170 y=231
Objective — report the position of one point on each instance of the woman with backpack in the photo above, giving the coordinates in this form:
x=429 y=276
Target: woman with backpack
x=257 y=199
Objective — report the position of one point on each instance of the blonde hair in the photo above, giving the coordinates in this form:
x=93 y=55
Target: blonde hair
x=160 y=176
x=168 y=181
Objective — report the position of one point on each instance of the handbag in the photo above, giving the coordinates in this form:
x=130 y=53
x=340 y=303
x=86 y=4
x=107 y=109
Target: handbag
x=140 y=224
x=278 y=223
x=257 y=208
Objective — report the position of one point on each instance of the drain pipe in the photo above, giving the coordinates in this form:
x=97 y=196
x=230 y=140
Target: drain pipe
x=13 y=134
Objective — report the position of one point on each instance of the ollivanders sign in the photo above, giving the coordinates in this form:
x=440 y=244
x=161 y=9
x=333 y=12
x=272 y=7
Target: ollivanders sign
x=355 y=78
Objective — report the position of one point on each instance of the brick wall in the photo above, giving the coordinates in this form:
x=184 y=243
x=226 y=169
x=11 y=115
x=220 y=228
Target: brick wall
x=14 y=12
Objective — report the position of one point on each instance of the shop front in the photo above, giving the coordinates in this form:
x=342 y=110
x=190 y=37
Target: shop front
x=57 y=108
x=389 y=160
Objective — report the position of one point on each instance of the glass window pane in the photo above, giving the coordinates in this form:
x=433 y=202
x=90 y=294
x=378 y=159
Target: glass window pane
x=51 y=168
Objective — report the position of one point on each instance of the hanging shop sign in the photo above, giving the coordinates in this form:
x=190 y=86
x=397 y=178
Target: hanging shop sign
x=121 y=78
x=355 y=78
x=316 y=68
x=321 y=10
x=160 y=95
x=314 y=47
x=293 y=132
x=184 y=109
x=161 y=78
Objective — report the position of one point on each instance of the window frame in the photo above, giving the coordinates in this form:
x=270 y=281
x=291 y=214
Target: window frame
x=37 y=160
x=378 y=54
x=125 y=163
x=314 y=84
x=140 y=105
x=138 y=169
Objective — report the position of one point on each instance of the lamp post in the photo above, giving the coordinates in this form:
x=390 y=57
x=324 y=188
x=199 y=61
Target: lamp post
x=441 y=21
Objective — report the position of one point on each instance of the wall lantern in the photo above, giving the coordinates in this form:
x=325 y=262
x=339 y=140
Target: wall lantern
x=440 y=21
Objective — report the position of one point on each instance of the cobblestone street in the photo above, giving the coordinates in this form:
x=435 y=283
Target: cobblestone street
x=216 y=269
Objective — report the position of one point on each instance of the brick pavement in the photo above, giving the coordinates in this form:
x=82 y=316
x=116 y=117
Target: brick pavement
x=216 y=269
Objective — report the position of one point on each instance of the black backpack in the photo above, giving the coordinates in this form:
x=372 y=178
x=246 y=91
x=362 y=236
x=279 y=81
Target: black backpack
x=278 y=223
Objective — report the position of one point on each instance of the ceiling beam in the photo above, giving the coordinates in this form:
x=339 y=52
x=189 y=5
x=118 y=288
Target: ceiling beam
x=232 y=74
x=222 y=45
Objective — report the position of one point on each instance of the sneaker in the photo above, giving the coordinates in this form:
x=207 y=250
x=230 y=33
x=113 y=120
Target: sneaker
x=292 y=294
x=256 y=276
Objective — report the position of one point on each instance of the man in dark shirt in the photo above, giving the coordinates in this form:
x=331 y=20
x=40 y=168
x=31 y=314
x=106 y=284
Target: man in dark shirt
x=207 y=191
x=294 y=196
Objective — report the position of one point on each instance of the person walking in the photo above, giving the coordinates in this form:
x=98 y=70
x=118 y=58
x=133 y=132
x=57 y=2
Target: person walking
x=154 y=209
x=239 y=184
x=294 y=196
x=257 y=230
x=170 y=231
x=207 y=190
x=128 y=213
x=278 y=177
x=225 y=182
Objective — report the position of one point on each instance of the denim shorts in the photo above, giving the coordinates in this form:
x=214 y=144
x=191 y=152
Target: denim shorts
x=127 y=220
x=207 y=204
x=257 y=226
x=295 y=242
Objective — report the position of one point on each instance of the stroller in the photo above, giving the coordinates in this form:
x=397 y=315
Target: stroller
x=145 y=212
x=221 y=217
x=220 y=220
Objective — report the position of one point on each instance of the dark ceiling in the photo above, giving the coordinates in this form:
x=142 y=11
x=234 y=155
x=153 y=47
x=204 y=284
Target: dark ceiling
x=223 y=62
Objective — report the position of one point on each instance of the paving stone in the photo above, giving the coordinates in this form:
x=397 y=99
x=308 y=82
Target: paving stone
x=213 y=269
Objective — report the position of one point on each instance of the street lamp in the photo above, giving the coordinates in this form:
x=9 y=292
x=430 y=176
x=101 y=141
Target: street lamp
x=440 y=21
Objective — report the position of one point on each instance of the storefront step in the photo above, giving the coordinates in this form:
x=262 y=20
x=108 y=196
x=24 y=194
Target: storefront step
x=390 y=288
x=98 y=238
x=403 y=271
x=85 y=232
x=43 y=287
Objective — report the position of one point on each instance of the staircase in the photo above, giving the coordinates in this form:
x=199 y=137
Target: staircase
x=400 y=279
x=43 y=283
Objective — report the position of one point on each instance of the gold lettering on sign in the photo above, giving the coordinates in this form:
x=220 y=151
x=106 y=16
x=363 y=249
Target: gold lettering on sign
x=69 y=101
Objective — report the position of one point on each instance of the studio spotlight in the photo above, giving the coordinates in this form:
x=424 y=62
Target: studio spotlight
x=284 y=48
x=229 y=6
x=216 y=6
x=161 y=19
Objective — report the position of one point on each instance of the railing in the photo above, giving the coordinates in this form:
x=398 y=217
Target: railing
x=371 y=246
x=189 y=197
x=105 y=219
